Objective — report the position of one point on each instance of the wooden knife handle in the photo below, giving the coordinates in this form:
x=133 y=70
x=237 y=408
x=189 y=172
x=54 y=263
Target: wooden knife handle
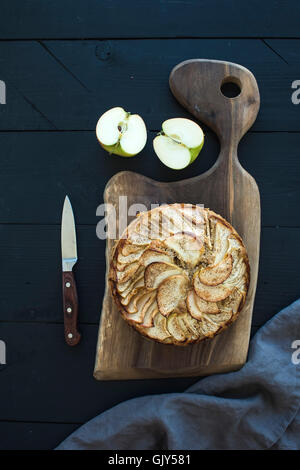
x=70 y=305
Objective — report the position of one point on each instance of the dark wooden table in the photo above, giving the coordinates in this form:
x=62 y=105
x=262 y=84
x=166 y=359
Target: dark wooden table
x=64 y=63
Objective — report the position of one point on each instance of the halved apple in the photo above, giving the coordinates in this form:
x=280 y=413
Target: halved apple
x=121 y=133
x=179 y=143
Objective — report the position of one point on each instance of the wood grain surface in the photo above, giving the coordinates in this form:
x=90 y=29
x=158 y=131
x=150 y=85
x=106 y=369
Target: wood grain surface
x=67 y=85
x=75 y=19
x=227 y=189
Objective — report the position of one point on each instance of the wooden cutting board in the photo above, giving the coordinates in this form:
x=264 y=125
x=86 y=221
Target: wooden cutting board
x=227 y=189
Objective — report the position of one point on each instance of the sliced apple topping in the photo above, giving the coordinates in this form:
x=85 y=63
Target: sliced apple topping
x=208 y=238
x=131 y=257
x=137 y=281
x=129 y=248
x=138 y=238
x=152 y=226
x=156 y=273
x=183 y=327
x=236 y=279
x=220 y=248
x=123 y=266
x=179 y=143
x=189 y=325
x=123 y=285
x=150 y=314
x=192 y=305
x=152 y=256
x=207 y=307
x=173 y=221
x=138 y=301
x=121 y=133
x=193 y=214
x=144 y=301
x=175 y=328
x=179 y=274
x=238 y=273
x=207 y=327
x=214 y=322
x=210 y=293
x=128 y=294
x=233 y=301
x=187 y=247
x=197 y=307
x=159 y=331
x=171 y=292
x=128 y=272
x=214 y=275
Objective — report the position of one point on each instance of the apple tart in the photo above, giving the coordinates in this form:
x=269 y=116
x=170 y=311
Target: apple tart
x=179 y=274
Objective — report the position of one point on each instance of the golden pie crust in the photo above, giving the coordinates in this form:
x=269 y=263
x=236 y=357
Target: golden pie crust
x=179 y=274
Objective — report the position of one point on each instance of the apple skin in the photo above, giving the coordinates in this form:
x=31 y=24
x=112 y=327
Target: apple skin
x=172 y=131
x=116 y=150
x=131 y=128
x=195 y=152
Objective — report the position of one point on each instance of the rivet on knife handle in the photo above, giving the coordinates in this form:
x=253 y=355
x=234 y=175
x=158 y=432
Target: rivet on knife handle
x=70 y=306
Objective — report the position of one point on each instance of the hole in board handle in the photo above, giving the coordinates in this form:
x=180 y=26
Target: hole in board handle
x=231 y=87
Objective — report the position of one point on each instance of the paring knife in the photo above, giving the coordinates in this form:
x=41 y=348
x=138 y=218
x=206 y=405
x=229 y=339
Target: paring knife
x=69 y=259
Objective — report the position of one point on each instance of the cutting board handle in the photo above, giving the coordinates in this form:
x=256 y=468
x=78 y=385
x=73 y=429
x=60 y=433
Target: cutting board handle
x=197 y=84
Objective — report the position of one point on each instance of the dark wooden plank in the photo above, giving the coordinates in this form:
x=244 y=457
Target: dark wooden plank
x=33 y=436
x=77 y=19
x=272 y=159
x=30 y=259
x=66 y=85
x=46 y=380
x=278 y=279
x=69 y=84
x=38 y=170
x=288 y=50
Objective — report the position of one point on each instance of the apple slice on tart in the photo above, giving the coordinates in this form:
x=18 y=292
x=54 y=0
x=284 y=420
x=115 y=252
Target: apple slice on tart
x=185 y=286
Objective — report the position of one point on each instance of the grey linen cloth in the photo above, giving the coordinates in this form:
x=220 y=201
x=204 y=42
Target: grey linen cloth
x=256 y=407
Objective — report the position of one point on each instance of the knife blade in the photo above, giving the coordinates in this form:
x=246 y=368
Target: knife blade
x=69 y=259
